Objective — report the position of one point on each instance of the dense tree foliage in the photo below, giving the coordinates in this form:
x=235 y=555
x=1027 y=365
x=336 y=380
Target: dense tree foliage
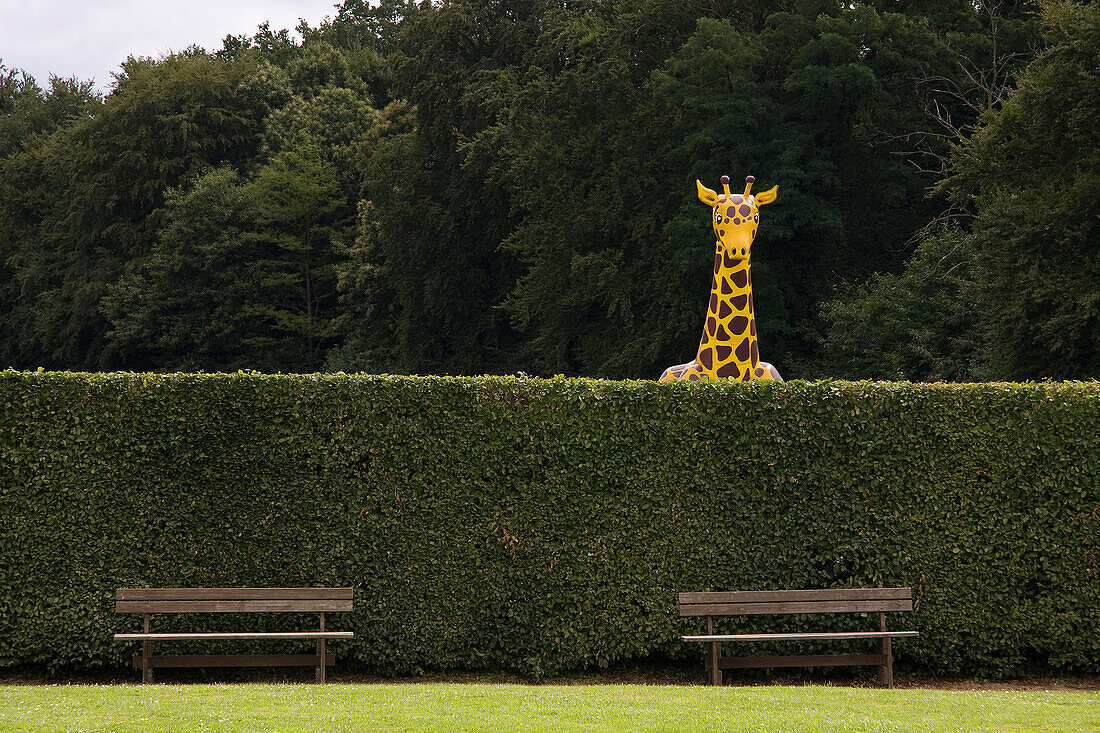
x=471 y=186
x=921 y=323
x=1017 y=295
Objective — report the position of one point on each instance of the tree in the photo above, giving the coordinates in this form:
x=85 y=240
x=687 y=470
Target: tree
x=298 y=208
x=921 y=325
x=1016 y=295
x=1032 y=174
x=30 y=122
x=185 y=306
x=108 y=174
x=376 y=280
x=335 y=120
x=26 y=109
x=243 y=274
x=581 y=149
x=367 y=34
x=438 y=217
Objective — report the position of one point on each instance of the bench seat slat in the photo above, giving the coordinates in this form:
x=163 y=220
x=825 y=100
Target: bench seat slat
x=237 y=635
x=807 y=636
x=771 y=596
x=270 y=606
x=233 y=594
x=758 y=609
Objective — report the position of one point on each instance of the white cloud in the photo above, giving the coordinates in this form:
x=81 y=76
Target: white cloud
x=90 y=39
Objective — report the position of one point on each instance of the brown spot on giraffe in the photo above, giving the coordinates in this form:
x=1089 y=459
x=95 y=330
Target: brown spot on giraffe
x=726 y=289
x=710 y=325
x=723 y=351
x=739 y=301
x=729 y=261
x=739 y=324
x=706 y=358
x=722 y=334
x=752 y=327
x=755 y=358
x=729 y=370
x=739 y=279
x=713 y=301
x=736 y=198
x=694 y=376
x=744 y=209
x=724 y=309
x=759 y=372
x=742 y=350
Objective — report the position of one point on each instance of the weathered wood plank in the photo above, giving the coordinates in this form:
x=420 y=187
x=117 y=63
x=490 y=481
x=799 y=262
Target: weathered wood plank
x=772 y=596
x=804 y=660
x=168 y=636
x=235 y=660
x=760 y=609
x=806 y=636
x=233 y=594
x=269 y=606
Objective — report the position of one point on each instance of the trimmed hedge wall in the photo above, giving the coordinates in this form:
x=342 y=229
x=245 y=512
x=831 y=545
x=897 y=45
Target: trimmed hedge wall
x=546 y=525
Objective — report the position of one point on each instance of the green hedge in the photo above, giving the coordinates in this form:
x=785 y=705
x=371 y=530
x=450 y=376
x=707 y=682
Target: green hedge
x=546 y=525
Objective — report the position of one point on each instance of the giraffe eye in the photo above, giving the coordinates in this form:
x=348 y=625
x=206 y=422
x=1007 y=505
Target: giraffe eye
x=756 y=217
x=718 y=219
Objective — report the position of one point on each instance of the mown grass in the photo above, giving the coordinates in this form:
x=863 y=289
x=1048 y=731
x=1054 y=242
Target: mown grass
x=496 y=707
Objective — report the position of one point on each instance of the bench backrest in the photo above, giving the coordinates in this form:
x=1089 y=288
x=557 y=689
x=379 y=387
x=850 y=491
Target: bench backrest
x=833 y=600
x=232 y=600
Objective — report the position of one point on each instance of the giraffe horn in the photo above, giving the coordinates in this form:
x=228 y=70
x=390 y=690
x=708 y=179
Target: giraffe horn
x=749 y=180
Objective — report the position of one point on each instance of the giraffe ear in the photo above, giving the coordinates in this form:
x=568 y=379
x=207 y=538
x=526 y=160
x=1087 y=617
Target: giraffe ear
x=766 y=197
x=708 y=197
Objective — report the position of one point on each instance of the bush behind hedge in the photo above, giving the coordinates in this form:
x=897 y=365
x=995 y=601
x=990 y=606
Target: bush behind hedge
x=542 y=526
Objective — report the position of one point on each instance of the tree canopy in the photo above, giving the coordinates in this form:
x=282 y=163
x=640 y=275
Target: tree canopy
x=486 y=186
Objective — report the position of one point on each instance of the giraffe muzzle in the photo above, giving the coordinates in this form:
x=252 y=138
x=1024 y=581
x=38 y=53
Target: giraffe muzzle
x=735 y=249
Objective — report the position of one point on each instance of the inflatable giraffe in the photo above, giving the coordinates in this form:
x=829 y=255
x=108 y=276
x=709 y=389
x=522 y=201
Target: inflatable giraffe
x=728 y=347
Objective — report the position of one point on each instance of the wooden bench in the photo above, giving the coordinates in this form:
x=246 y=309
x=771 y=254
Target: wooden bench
x=774 y=602
x=148 y=601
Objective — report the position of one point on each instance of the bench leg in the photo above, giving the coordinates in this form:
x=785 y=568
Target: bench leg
x=146 y=652
x=146 y=669
x=321 y=654
x=886 y=671
x=715 y=674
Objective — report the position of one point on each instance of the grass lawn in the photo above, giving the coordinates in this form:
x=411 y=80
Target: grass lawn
x=508 y=707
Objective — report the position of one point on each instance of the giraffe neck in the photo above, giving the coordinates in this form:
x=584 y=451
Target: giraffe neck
x=728 y=347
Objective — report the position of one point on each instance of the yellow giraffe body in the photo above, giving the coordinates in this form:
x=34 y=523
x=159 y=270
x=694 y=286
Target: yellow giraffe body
x=728 y=347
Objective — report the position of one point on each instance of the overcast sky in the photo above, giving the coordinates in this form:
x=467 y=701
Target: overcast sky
x=90 y=38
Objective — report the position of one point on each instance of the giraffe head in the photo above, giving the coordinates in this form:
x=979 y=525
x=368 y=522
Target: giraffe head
x=735 y=217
